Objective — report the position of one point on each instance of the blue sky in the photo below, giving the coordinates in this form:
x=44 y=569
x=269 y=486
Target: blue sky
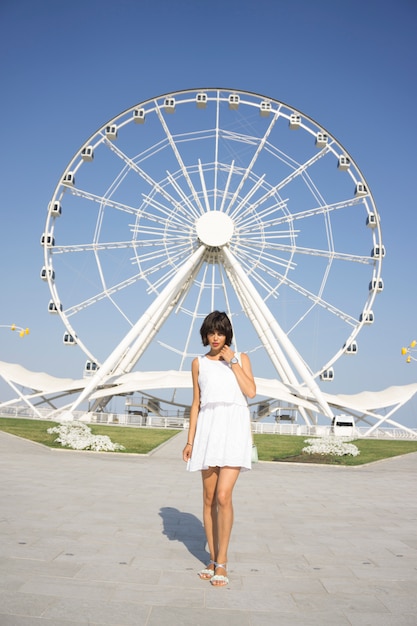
x=67 y=68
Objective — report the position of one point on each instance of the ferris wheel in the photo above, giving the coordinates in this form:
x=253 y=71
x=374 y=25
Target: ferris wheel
x=213 y=199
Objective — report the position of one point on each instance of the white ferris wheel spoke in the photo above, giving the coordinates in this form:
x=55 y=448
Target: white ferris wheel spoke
x=135 y=167
x=102 y=200
x=179 y=159
x=109 y=291
x=249 y=169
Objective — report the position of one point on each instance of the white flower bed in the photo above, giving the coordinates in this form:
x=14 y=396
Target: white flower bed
x=78 y=436
x=335 y=446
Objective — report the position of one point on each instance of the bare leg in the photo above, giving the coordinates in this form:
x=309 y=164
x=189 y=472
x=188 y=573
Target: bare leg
x=210 y=478
x=226 y=481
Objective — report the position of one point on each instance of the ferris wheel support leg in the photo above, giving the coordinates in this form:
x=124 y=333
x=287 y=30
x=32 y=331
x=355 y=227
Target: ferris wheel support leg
x=271 y=323
x=146 y=323
x=271 y=345
x=134 y=353
x=167 y=304
x=268 y=340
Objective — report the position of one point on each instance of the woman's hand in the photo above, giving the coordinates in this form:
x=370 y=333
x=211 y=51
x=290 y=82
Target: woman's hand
x=227 y=354
x=186 y=453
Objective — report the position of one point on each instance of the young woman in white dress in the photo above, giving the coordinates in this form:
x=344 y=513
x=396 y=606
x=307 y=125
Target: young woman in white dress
x=219 y=438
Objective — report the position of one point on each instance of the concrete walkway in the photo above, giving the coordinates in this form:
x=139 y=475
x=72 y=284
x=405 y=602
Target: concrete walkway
x=95 y=538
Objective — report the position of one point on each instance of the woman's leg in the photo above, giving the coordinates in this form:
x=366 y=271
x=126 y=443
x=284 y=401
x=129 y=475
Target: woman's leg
x=210 y=478
x=226 y=481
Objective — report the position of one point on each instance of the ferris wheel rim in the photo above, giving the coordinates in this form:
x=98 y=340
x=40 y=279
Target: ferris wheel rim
x=47 y=256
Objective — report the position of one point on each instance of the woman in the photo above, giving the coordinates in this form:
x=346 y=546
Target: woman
x=219 y=439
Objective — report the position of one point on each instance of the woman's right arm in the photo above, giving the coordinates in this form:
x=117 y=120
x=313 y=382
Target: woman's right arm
x=195 y=407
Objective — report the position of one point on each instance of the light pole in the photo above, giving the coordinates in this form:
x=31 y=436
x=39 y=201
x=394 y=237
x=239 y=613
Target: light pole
x=21 y=331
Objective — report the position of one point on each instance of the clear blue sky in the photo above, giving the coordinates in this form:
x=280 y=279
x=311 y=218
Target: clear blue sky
x=67 y=68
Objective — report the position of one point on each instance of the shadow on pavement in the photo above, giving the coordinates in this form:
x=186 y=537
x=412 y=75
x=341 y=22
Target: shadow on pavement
x=186 y=528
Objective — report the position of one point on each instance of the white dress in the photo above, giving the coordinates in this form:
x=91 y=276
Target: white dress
x=223 y=435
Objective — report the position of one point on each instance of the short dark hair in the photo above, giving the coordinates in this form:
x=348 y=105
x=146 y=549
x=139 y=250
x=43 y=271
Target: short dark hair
x=216 y=322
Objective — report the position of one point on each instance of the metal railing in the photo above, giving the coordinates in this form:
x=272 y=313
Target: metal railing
x=176 y=421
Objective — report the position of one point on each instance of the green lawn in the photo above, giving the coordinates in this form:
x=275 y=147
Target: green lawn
x=135 y=440
x=289 y=448
x=270 y=447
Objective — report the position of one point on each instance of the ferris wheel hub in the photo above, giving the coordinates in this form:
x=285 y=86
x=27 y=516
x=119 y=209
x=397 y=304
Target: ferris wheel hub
x=214 y=228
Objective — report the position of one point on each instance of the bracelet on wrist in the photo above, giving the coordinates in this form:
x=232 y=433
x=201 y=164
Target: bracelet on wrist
x=189 y=444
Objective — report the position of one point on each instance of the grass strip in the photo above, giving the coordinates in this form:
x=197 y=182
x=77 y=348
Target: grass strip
x=135 y=440
x=289 y=448
x=270 y=447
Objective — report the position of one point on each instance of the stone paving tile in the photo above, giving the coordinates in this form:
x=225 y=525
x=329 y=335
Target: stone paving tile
x=339 y=602
x=299 y=618
x=67 y=588
x=24 y=604
x=92 y=612
x=372 y=619
x=22 y=620
x=118 y=573
x=26 y=568
x=163 y=616
x=155 y=595
x=249 y=600
x=400 y=603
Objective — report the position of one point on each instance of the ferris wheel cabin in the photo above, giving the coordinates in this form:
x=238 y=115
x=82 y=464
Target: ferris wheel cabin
x=371 y=221
x=367 y=317
x=343 y=162
x=321 y=140
x=265 y=108
x=361 y=189
x=378 y=252
x=111 y=132
x=295 y=121
x=69 y=340
x=234 y=101
x=327 y=375
x=351 y=348
x=53 y=308
x=139 y=116
x=55 y=209
x=201 y=100
x=376 y=284
x=47 y=240
x=87 y=153
x=47 y=272
x=169 y=105
x=90 y=368
x=68 y=179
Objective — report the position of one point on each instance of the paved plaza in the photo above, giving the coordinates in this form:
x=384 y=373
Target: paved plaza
x=100 y=538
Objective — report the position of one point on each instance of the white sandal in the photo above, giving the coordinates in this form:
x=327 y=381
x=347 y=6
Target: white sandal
x=219 y=580
x=207 y=573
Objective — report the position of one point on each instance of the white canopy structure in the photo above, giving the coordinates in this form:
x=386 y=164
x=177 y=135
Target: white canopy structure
x=42 y=389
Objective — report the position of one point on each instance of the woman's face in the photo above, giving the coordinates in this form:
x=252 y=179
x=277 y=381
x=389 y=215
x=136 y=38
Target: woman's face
x=216 y=340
